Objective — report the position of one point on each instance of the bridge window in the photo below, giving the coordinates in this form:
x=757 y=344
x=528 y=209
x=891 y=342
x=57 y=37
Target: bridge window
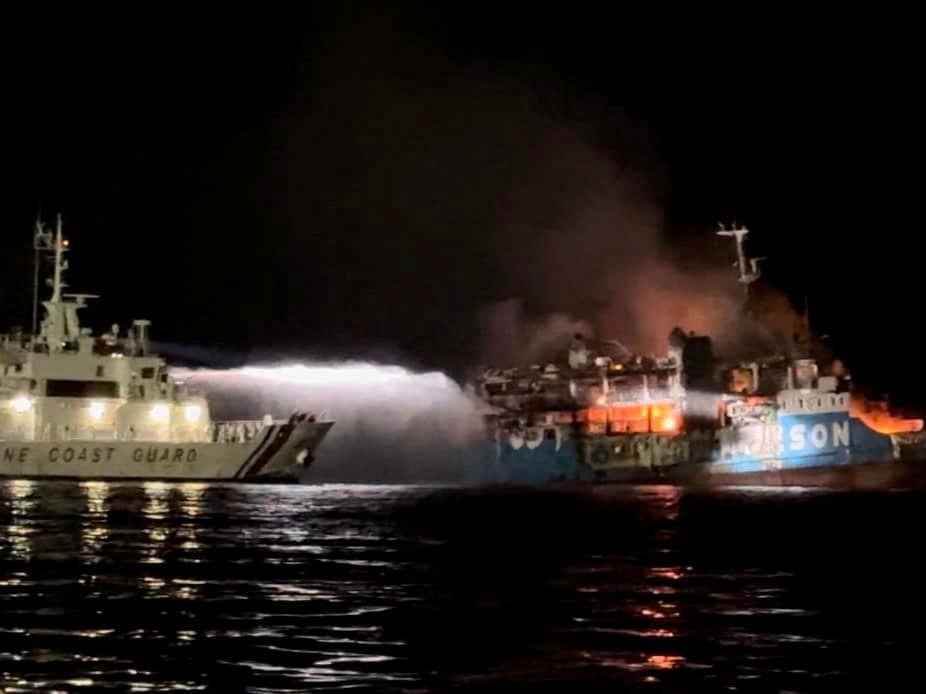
x=81 y=389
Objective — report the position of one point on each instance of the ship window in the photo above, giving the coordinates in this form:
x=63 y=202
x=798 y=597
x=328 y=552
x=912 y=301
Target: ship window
x=99 y=372
x=550 y=434
x=147 y=372
x=81 y=389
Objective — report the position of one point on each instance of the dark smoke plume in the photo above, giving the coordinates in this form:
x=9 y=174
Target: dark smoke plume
x=583 y=234
x=511 y=337
x=479 y=206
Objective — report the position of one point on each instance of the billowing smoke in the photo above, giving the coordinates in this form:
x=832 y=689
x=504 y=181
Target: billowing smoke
x=509 y=336
x=662 y=294
x=391 y=424
x=503 y=203
x=584 y=233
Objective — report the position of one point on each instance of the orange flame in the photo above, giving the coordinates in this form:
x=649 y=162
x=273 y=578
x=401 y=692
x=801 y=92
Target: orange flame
x=876 y=415
x=637 y=418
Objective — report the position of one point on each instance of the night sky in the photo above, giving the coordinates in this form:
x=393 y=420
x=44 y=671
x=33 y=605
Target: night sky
x=348 y=180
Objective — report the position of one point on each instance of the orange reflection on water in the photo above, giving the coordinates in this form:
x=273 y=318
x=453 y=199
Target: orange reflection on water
x=671 y=573
x=665 y=662
x=662 y=610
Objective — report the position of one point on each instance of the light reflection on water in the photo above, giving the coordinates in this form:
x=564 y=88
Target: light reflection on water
x=385 y=588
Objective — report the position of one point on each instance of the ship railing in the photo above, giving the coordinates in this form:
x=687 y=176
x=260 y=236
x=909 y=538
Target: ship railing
x=246 y=430
x=16 y=340
x=237 y=431
x=641 y=395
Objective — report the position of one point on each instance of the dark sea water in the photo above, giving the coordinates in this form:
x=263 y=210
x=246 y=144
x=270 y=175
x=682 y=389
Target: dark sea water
x=192 y=587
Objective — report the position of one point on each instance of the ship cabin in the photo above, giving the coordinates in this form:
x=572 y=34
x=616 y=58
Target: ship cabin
x=92 y=389
x=66 y=384
x=598 y=394
x=782 y=386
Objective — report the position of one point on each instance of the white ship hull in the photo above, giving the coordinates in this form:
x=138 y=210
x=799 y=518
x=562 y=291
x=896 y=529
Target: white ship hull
x=279 y=451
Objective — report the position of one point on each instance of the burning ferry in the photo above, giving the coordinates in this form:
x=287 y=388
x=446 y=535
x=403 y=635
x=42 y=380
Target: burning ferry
x=77 y=405
x=604 y=415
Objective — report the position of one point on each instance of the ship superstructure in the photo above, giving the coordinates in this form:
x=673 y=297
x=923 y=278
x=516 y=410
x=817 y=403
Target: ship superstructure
x=594 y=416
x=73 y=404
x=606 y=415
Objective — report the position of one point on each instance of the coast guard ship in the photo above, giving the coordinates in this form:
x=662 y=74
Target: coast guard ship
x=77 y=405
x=603 y=415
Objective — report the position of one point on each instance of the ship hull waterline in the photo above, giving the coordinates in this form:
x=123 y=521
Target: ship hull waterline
x=277 y=453
x=888 y=475
x=871 y=475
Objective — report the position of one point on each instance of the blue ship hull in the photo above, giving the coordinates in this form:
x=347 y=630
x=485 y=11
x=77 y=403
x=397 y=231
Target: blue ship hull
x=806 y=448
x=501 y=463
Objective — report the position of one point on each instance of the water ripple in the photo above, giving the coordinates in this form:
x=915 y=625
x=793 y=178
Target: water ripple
x=186 y=587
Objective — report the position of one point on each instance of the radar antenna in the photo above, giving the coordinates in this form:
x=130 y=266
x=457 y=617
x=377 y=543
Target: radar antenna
x=749 y=270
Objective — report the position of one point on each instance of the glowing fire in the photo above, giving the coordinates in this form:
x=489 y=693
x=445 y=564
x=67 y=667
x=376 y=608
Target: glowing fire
x=877 y=416
x=634 y=417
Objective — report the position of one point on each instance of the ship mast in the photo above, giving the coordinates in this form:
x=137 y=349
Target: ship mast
x=60 y=324
x=748 y=267
x=60 y=247
x=41 y=243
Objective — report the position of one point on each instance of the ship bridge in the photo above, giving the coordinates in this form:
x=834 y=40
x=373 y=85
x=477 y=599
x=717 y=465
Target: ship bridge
x=64 y=383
